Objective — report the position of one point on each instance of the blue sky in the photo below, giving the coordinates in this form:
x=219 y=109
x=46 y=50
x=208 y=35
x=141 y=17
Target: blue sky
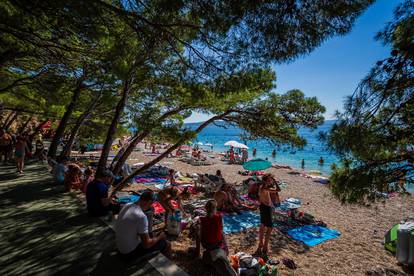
x=333 y=70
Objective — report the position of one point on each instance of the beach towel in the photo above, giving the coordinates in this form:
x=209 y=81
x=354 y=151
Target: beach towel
x=250 y=200
x=238 y=223
x=127 y=199
x=289 y=204
x=312 y=235
x=158 y=209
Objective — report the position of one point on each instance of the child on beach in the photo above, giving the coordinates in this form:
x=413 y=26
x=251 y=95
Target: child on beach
x=266 y=191
x=167 y=195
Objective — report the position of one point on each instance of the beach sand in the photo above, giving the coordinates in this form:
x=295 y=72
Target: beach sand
x=358 y=251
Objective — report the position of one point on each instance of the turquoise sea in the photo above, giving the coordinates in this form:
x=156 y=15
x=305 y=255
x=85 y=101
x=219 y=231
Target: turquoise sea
x=220 y=133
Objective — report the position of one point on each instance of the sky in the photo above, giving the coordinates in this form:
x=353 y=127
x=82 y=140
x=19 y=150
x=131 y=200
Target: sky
x=333 y=71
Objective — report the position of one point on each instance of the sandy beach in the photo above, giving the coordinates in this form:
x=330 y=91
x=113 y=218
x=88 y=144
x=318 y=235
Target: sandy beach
x=358 y=251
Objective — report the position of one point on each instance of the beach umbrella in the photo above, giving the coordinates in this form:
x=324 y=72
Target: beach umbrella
x=199 y=143
x=231 y=143
x=257 y=165
x=209 y=145
x=242 y=146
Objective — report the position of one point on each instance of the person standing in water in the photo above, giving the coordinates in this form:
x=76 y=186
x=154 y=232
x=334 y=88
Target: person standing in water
x=254 y=152
x=303 y=164
x=274 y=153
x=321 y=161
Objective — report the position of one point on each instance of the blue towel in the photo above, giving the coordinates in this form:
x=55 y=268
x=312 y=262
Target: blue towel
x=127 y=199
x=312 y=235
x=238 y=223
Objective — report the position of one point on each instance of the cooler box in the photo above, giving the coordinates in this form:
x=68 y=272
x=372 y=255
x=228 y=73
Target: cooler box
x=403 y=242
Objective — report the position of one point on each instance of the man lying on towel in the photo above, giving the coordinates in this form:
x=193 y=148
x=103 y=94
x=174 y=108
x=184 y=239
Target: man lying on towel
x=132 y=233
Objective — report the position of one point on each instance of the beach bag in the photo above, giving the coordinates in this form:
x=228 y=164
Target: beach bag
x=174 y=223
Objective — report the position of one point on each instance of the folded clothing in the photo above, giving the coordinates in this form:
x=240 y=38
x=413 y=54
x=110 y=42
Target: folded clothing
x=312 y=235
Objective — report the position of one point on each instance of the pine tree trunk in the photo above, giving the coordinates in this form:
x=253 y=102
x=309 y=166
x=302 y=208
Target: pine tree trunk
x=134 y=142
x=9 y=123
x=26 y=123
x=64 y=121
x=137 y=139
x=79 y=122
x=114 y=124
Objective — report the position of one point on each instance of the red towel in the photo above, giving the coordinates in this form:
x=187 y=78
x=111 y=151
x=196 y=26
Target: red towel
x=158 y=209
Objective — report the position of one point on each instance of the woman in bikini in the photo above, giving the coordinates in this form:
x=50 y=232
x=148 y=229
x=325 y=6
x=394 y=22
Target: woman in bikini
x=20 y=152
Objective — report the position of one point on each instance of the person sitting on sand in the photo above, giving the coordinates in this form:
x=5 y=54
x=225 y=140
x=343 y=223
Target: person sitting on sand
x=73 y=177
x=253 y=190
x=266 y=209
x=88 y=178
x=224 y=199
x=210 y=235
x=97 y=201
x=171 y=177
x=165 y=198
x=132 y=231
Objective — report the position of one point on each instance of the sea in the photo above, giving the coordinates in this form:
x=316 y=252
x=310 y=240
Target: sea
x=220 y=133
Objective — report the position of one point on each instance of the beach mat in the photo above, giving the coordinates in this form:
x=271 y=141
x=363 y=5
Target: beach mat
x=312 y=235
x=237 y=223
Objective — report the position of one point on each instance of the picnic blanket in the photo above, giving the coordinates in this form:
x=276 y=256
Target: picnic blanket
x=312 y=235
x=237 y=223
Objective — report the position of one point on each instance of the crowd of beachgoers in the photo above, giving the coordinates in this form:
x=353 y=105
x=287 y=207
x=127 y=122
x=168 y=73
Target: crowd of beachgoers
x=200 y=207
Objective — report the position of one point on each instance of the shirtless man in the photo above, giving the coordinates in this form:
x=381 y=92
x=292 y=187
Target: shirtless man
x=266 y=191
x=5 y=145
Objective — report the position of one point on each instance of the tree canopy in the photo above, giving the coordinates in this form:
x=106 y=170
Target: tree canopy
x=96 y=66
x=374 y=135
